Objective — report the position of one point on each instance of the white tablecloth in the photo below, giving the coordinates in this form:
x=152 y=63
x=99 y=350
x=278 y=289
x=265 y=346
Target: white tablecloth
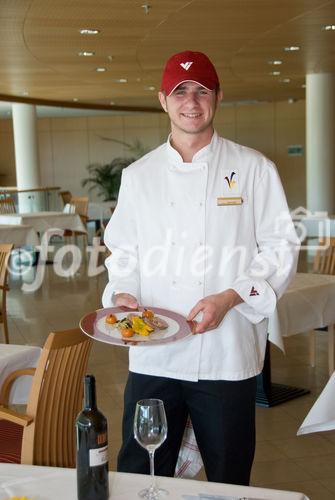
x=47 y=483
x=321 y=417
x=13 y=357
x=19 y=235
x=308 y=303
x=42 y=221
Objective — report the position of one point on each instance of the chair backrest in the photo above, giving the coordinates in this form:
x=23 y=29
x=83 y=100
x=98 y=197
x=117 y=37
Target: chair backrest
x=324 y=261
x=7 y=205
x=66 y=196
x=81 y=205
x=55 y=399
x=5 y=250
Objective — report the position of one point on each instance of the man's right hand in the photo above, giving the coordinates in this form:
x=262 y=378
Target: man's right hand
x=125 y=300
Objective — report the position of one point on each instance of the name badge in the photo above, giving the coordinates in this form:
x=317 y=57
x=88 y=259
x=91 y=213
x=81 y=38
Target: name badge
x=230 y=200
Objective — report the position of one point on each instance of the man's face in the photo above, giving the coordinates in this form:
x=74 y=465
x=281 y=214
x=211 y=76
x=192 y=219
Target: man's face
x=191 y=107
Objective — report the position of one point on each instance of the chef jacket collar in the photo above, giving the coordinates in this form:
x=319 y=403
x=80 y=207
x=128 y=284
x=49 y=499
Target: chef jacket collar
x=201 y=156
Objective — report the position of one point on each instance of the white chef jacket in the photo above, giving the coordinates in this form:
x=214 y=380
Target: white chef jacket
x=172 y=244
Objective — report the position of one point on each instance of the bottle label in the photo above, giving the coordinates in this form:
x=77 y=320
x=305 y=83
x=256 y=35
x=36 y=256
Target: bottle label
x=98 y=456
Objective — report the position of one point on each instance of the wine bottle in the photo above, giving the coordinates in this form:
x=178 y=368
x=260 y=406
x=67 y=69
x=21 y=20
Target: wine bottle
x=92 y=447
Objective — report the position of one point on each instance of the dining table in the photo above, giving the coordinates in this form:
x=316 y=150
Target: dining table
x=43 y=221
x=53 y=483
x=14 y=357
x=307 y=304
x=19 y=235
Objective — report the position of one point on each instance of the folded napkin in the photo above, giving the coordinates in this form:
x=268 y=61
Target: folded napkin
x=321 y=417
x=189 y=459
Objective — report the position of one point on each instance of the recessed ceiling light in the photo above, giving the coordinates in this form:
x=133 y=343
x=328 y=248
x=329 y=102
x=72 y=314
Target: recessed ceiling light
x=89 y=31
x=25 y=92
x=275 y=73
x=276 y=62
x=150 y=87
x=75 y=99
x=292 y=48
x=86 y=53
x=121 y=80
x=112 y=103
x=329 y=27
x=100 y=70
x=285 y=80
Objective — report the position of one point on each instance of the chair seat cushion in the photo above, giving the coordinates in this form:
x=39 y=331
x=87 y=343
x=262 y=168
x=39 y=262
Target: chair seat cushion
x=11 y=442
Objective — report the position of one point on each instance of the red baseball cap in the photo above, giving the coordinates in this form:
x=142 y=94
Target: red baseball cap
x=189 y=66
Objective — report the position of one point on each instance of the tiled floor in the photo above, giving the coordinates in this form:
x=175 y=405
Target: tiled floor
x=283 y=460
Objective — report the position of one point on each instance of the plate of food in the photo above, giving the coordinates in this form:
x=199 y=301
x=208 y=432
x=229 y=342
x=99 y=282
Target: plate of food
x=142 y=327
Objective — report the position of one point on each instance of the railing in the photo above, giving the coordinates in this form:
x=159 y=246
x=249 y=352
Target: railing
x=33 y=200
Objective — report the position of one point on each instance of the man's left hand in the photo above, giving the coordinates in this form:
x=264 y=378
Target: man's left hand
x=213 y=309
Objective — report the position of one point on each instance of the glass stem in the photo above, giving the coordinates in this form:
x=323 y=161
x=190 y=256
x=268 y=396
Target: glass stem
x=152 y=470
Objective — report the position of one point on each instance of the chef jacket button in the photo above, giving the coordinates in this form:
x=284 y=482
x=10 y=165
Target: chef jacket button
x=171 y=203
x=174 y=282
x=199 y=283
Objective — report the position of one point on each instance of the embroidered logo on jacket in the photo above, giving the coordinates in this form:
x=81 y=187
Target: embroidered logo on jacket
x=253 y=292
x=186 y=65
x=230 y=180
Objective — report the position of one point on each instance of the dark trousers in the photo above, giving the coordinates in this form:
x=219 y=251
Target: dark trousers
x=223 y=418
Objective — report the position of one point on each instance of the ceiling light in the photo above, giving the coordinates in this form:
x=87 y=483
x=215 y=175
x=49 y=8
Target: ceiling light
x=89 y=31
x=150 y=87
x=86 y=53
x=276 y=62
x=292 y=48
x=25 y=92
x=121 y=80
x=329 y=27
x=275 y=73
x=100 y=70
x=146 y=8
x=285 y=80
x=110 y=58
x=112 y=103
x=75 y=99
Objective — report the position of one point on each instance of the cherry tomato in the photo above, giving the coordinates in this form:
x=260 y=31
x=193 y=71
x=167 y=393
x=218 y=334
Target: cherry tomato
x=111 y=319
x=127 y=332
x=147 y=313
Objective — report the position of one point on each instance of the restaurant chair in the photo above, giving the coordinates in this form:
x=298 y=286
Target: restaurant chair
x=7 y=205
x=45 y=434
x=324 y=263
x=5 y=251
x=80 y=204
x=66 y=196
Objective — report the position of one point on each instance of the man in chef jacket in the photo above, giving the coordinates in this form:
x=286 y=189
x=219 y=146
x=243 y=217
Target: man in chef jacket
x=201 y=228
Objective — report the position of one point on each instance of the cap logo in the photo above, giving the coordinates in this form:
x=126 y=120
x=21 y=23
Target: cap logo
x=186 y=65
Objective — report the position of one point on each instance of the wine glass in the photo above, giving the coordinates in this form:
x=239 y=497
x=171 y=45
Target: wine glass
x=150 y=430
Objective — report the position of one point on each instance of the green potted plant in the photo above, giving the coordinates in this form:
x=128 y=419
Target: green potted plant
x=106 y=178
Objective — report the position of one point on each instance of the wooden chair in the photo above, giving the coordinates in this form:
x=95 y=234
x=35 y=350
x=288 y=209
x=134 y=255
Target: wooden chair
x=80 y=204
x=5 y=251
x=45 y=434
x=324 y=263
x=7 y=205
x=66 y=196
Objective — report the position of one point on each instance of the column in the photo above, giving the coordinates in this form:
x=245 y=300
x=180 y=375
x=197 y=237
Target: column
x=26 y=156
x=320 y=142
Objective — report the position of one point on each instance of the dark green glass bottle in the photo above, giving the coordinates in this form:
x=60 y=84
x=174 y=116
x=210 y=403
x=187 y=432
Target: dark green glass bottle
x=92 y=447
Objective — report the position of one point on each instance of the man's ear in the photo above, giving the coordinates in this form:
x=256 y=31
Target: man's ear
x=219 y=97
x=162 y=100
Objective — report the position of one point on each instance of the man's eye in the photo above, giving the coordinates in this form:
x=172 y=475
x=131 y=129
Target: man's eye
x=179 y=92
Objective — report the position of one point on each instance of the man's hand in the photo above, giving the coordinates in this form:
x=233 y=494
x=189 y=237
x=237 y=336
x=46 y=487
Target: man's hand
x=213 y=308
x=125 y=300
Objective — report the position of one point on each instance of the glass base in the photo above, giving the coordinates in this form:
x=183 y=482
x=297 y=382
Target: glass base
x=152 y=493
